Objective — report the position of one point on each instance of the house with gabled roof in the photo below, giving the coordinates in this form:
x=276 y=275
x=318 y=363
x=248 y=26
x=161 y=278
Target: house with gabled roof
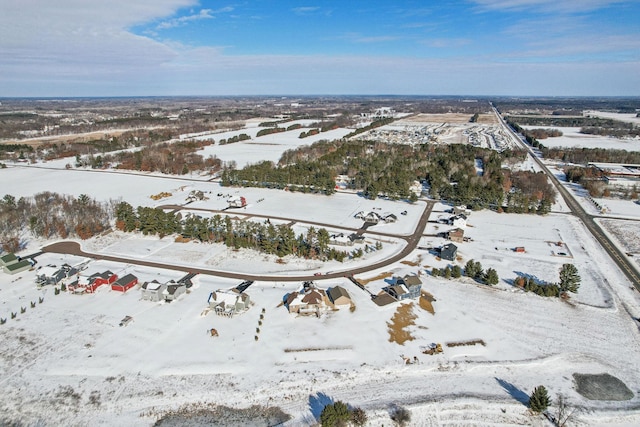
x=389 y=218
x=124 y=283
x=459 y=221
x=340 y=239
x=53 y=275
x=407 y=287
x=338 y=296
x=89 y=284
x=173 y=290
x=229 y=302
x=456 y=235
x=309 y=300
x=449 y=252
x=153 y=291
x=371 y=217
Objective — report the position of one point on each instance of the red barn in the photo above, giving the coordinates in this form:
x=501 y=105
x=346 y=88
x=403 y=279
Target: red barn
x=89 y=284
x=124 y=283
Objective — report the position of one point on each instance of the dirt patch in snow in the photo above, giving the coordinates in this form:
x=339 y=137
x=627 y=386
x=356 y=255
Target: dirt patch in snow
x=601 y=387
x=426 y=300
x=403 y=318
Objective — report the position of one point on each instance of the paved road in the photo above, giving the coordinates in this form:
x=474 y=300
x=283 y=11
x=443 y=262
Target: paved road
x=73 y=248
x=616 y=254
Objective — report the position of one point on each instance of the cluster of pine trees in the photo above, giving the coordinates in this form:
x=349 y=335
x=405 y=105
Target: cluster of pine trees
x=49 y=215
x=388 y=170
x=472 y=269
x=279 y=239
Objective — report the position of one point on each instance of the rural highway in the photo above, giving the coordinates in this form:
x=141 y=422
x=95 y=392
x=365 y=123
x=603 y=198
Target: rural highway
x=589 y=220
x=73 y=248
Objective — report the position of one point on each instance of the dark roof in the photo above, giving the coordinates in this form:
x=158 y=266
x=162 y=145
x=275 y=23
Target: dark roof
x=125 y=280
x=337 y=292
x=412 y=280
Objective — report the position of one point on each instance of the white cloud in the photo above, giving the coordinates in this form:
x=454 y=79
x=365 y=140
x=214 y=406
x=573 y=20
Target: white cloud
x=183 y=20
x=70 y=48
x=565 y=6
x=305 y=10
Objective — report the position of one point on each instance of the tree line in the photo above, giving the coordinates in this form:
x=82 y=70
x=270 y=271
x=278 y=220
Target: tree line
x=49 y=215
x=380 y=169
x=265 y=237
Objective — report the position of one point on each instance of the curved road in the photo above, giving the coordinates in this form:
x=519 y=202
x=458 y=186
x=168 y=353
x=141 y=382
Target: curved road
x=588 y=220
x=73 y=248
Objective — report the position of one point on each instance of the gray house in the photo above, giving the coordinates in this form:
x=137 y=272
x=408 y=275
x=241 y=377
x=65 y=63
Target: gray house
x=173 y=290
x=449 y=252
x=407 y=287
x=153 y=291
x=53 y=275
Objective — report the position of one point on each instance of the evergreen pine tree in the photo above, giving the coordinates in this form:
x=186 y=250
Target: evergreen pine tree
x=539 y=400
x=334 y=414
x=569 y=278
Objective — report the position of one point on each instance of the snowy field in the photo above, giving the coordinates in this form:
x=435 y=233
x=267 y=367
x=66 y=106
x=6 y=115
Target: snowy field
x=572 y=138
x=268 y=147
x=67 y=362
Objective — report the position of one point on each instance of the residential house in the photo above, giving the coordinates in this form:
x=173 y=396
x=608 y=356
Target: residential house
x=228 y=302
x=389 y=217
x=459 y=221
x=153 y=291
x=89 y=284
x=372 y=217
x=457 y=210
x=53 y=275
x=449 y=252
x=339 y=296
x=309 y=300
x=173 y=291
x=340 y=239
x=407 y=287
x=456 y=235
x=123 y=284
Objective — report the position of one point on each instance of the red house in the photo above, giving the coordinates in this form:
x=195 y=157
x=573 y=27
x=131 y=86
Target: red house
x=89 y=284
x=124 y=283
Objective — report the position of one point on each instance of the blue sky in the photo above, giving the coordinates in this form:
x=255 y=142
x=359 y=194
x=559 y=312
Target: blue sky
x=266 y=47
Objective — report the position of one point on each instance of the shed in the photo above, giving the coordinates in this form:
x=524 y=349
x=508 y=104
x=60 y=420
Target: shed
x=8 y=259
x=17 y=267
x=123 y=284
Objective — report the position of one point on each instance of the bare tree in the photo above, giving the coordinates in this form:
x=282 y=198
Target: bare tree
x=564 y=413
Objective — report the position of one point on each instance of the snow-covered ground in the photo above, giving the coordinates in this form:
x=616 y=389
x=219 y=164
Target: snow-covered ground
x=67 y=362
x=571 y=137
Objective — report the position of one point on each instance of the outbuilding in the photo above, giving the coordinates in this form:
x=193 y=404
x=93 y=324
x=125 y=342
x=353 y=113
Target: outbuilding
x=123 y=284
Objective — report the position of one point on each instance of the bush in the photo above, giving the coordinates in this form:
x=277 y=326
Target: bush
x=358 y=417
x=335 y=414
x=401 y=416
